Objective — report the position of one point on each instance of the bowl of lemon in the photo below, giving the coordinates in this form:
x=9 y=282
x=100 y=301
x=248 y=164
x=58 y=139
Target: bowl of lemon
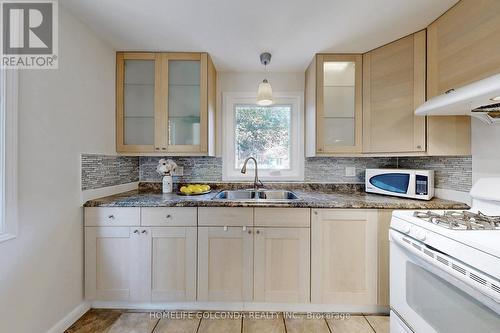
x=194 y=189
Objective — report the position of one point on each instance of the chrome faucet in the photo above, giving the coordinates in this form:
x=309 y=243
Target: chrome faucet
x=256 y=183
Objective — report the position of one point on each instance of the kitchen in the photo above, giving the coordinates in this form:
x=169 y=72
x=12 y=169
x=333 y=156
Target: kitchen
x=251 y=167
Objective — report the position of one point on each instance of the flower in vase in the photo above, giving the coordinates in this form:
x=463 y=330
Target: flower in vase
x=166 y=167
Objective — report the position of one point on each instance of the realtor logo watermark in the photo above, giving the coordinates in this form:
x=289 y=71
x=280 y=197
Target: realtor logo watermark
x=29 y=34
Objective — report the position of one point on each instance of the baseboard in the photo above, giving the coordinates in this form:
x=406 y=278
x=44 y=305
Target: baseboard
x=241 y=306
x=70 y=318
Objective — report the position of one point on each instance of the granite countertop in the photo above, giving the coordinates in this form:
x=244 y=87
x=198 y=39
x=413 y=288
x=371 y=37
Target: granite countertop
x=310 y=196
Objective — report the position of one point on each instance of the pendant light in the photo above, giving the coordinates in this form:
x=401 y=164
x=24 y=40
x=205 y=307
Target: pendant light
x=265 y=92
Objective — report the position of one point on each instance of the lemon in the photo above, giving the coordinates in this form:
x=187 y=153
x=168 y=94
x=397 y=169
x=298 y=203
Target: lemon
x=184 y=189
x=197 y=189
x=205 y=188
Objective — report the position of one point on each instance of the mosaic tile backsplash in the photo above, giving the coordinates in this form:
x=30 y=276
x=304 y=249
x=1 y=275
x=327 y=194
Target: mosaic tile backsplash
x=450 y=172
x=196 y=169
x=454 y=173
x=332 y=170
x=103 y=170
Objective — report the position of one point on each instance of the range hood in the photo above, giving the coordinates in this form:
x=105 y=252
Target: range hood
x=480 y=99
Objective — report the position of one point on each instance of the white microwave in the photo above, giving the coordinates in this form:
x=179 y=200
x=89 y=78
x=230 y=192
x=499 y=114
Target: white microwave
x=414 y=184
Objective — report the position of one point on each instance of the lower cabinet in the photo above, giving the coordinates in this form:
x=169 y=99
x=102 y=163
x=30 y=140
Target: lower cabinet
x=116 y=268
x=344 y=257
x=259 y=264
x=384 y=222
x=281 y=265
x=173 y=264
x=225 y=264
x=334 y=256
x=138 y=264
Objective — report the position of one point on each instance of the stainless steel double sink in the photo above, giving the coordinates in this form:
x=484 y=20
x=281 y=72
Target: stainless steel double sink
x=257 y=195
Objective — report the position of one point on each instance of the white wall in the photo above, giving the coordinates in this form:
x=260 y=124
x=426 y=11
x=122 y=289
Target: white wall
x=248 y=82
x=485 y=150
x=62 y=113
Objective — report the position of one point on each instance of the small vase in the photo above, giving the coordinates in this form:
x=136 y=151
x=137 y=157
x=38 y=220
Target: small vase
x=167 y=184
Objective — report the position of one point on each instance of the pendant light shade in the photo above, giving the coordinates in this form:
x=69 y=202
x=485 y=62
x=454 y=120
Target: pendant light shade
x=265 y=92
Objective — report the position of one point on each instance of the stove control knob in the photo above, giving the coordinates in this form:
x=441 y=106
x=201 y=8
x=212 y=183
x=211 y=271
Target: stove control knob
x=421 y=235
x=405 y=228
x=401 y=227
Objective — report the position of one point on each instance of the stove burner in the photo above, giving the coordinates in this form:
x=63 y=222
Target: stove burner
x=461 y=220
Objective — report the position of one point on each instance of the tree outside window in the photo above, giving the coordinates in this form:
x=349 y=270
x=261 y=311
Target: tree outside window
x=264 y=133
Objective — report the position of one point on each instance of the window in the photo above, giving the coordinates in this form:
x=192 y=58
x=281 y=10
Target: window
x=8 y=154
x=272 y=134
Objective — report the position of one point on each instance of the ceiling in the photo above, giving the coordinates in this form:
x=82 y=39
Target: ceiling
x=235 y=32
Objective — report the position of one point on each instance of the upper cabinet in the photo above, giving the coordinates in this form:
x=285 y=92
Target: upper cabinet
x=334 y=104
x=463 y=46
x=393 y=87
x=165 y=103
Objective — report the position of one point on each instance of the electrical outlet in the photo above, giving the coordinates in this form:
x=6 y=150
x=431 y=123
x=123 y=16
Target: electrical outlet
x=179 y=171
x=350 y=171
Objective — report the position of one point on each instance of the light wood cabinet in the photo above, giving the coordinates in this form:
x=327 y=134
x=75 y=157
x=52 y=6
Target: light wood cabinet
x=225 y=264
x=165 y=103
x=173 y=264
x=393 y=87
x=341 y=259
x=169 y=216
x=281 y=272
x=282 y=217
x=112 y=216
x=344 y=257
x=115 y=265
x=333 y=103
x=238 y=262
x=225 y=216
x=384 y=222
x=140 y=264
x=463 y=46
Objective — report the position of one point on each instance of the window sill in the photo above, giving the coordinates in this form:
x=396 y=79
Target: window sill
x=6 y=237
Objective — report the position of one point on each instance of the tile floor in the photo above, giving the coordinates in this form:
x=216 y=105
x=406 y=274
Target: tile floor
x=118 y=321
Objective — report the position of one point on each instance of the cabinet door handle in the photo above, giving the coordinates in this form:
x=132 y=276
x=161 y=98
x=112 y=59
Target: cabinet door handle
x=164 y=148
x=257 y=232
x=136 y=231
x=157 y=148
x=144 y=232
x=111 y=217
x=168 y=216
x=249 y=231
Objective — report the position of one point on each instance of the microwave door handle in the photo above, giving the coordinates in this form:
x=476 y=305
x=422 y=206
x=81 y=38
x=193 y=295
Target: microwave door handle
x=412 y=184
x=398 y=239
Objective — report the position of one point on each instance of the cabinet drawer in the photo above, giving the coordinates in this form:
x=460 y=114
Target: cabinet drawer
x=222 y=216
x=282 y=217
x=112 y=216
x=168 y=217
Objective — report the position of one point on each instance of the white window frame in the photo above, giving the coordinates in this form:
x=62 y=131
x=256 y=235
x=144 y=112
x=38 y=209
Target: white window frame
x=9 y=85
x=296 y=172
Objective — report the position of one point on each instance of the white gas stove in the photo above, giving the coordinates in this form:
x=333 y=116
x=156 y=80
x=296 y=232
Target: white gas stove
x=445 y=266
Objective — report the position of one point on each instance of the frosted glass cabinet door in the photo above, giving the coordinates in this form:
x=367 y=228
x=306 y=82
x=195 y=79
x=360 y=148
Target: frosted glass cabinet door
x=136 y=92
x=186 y=102
x=339 y=103
x=138 y=104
